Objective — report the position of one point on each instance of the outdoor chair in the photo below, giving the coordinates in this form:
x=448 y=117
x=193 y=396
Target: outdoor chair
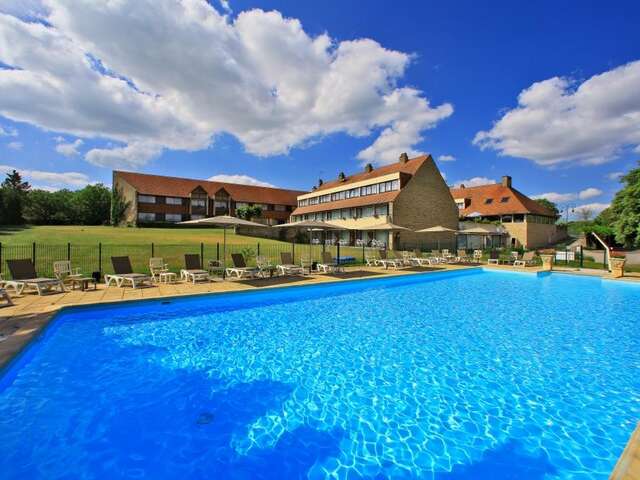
x=371 y=260
x=24 y=275
x=264 y=265
x=306 y=263
x=240 y=268
x=123 y=273
x=63 y=270
x=527 y=259
x=419 y=261
x=477 y=256
x=156 y=267
x=438 y=256
x=329 y=265
x=287 y=267
x=192 y=271
x=386 y=261
x=462 y=256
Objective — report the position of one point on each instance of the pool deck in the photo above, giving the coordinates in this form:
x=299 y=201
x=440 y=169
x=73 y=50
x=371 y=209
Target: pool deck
x=20 y=323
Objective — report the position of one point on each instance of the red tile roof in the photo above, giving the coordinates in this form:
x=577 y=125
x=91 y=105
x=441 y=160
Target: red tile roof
x=410 y=167
x=348 y=203
x=182 y=187
x=516 y=202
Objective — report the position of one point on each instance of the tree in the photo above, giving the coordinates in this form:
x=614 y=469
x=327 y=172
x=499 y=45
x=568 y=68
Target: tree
x=92 y=205
x=14 y=191
x=584 y=213
x=625 y=210
x=119 y=206
x=549 y=205
x=248 y=213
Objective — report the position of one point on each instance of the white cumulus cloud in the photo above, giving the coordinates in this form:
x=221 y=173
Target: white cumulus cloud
x=615 y=175
x=556 y=197
x=106 y=70
x=49 y=180
x=559 y=121
x=474 y=182
x=446 y=158
x=15 y=145
x=242 y=179
x=8 y=132
x=69 y=149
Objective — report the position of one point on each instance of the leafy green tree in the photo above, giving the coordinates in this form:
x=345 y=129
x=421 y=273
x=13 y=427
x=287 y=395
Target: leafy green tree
x=549 y=205
x=51 y=208
x=14 y=191
x=625 y=210
x=119 y=206
x=248 y=213
x=92 y=205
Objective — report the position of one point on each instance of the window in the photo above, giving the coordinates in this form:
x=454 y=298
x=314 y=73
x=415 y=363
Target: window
x=460 y=204
x=242 y=204
x=198 y=202
x=382 y=210
x=196 y=217
x=280 y=208
x=504 y=199
x=488 y=201
x=146 y=217
x=146 y=199
x=173 y=201
x=368 y=211
x=173 y=217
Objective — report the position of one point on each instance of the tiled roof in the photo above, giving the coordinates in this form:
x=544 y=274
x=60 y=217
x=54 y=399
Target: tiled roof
x=182 y=187
x=516 y=202
x=348 y=203
x=410 y=167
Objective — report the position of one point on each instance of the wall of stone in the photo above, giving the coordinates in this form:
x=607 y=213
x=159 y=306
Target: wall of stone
x=129 y=195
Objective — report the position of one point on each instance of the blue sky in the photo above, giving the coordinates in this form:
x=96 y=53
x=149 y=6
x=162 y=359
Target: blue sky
x=323 y=87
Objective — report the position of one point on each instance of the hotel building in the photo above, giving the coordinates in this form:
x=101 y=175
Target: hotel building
x=158 y=199
x=410 y=193
x=524 y=221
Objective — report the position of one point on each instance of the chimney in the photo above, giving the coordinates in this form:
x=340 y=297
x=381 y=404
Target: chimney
x=404 y=158
x=368 y=168
x=320 y=182
x=462 y=185
x=313 y=189
x=341 y=176
x=506 y=181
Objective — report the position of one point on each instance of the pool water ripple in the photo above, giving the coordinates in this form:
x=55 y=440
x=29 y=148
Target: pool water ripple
x=462 y=377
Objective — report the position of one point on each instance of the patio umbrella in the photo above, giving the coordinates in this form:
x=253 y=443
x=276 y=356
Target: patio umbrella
x=310 y=226
x=223 y=221
x=437 y=229
x=386 y=226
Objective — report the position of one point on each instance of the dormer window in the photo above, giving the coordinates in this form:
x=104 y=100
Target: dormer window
x=504 y=199
x=488 y=201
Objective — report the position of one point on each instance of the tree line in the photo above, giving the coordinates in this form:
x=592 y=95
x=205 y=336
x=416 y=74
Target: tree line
x=20 y=204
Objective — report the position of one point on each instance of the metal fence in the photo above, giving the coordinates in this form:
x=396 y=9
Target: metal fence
x=97 y=257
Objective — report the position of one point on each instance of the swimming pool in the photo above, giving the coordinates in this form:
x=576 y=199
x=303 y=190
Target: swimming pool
x=470 y=374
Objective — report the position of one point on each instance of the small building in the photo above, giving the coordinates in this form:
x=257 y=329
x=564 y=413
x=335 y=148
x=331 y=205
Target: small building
x=410 y=193
x=160 y=199
x=525 y=222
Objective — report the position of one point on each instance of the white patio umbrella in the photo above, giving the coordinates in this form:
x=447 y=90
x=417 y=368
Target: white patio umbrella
x=310 y=226
x=437 y=229
x=385 y=226
x=224 y=221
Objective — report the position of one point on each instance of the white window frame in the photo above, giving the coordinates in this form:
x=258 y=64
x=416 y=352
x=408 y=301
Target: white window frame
x=172 y=217
x=173 y=201
x=146 y=199
x=146 y=217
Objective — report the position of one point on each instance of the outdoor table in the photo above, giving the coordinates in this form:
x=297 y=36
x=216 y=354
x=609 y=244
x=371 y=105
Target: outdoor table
x=268 y=268
x=167 y=277
x=82 y=282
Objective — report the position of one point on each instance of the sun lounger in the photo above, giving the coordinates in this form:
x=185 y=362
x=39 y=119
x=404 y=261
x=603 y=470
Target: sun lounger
x=123 y=273
x=24 y=275
x=287 y=267
x=4 y=295
x=462 y=256
x=329 y=265
x=494 y=258
x=240 y=268
x=527 y=259
x=64 y=271
x=371 y=259
x=419 y=261
x=387 y=261
x=192 y=271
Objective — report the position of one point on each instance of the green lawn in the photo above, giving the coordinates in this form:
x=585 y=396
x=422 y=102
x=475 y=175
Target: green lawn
x=90 y=235
x=80 y=245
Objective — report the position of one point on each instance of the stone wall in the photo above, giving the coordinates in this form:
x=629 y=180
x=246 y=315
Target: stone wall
x=425 y=202
x=129 y=195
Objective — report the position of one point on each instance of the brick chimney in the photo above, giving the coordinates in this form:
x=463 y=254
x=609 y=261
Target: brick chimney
x=404 y=158
x=320 y=182
x=506 y=181
x=368 y=168
x=341 y=176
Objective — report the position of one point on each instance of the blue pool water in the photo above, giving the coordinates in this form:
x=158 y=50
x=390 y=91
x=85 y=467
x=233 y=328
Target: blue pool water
x=448 y=375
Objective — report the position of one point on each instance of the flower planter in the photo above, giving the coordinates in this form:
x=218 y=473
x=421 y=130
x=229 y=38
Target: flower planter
x=617 y=266
x=547 y=261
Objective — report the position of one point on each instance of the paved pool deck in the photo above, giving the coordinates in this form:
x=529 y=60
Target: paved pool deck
x=20 y=323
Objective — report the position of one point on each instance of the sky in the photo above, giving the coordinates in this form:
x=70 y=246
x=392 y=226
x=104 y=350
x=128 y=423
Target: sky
x=283 y=93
